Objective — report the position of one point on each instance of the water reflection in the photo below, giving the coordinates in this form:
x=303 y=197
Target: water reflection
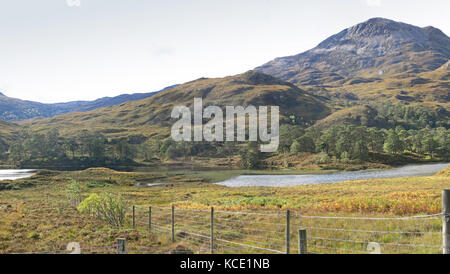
x=310 y=179
x=14 y=174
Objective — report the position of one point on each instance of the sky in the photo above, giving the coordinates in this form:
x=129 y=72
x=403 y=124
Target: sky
x=64 y=50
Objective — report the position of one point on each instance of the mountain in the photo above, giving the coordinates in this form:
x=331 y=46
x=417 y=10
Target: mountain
x=376 y=59
x=151 y=116
x=12 y=109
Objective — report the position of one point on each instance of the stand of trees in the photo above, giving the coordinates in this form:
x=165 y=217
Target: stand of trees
x=419 y=130
x=355 y=142
x=50 y=148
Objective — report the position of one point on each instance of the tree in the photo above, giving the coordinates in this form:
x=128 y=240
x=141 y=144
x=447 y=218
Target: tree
x=288 y=133
x=430 y=144
x=227 y=149
x=124 y=150
x=417 y=138
x=295 y=147
x=96 y=147
x=443 y=139
x=344 y=144
x=393 y=144
x=329 y=139
x=73 y=192
x=360 y=151
x=151 y=149
x=250 y=156
x=376 y=140
x=345 y=157
x=52 y=145
x=72 y=146
x=306 y=144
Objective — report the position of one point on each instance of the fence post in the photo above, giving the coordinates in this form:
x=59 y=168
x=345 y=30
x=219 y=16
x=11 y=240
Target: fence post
x=446 y=220
x=134 y=216
x=149 y=218
x=302 y=242
x=288 y=231
x=121 y=246
x=212 y=230
x=173 y=223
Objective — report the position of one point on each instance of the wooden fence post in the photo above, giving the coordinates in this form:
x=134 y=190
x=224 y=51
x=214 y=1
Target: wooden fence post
x=288 y=231
x=212 y=230
x=134 y=217
x=121 y=246
x=302 y=242
x=149 y=218
x=446 y=220
x=173 y=223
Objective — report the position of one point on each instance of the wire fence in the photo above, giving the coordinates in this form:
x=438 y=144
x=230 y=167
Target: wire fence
x=209 y=231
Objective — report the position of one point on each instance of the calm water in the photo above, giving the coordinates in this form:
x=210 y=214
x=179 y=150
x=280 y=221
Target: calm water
x=13 y=174
x=310 y=179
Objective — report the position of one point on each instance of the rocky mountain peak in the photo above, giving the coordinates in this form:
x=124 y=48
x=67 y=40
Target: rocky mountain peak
x=377 y=36
x=379 y=26
x=366 y=49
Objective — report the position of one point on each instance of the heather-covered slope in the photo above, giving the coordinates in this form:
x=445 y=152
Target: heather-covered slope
x=152 y=115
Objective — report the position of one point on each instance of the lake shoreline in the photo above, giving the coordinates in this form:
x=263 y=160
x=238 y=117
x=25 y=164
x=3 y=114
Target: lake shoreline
x=271 y=180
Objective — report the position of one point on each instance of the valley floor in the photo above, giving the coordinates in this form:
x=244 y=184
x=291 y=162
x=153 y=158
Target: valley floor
x=36 y=216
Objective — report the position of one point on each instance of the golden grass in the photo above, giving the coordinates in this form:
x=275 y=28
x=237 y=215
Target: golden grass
x=38 y=218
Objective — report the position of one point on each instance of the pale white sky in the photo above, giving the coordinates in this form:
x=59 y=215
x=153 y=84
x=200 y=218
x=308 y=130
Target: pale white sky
x=54 y=50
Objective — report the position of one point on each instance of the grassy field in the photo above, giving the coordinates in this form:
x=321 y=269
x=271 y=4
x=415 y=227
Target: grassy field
x=36 y=216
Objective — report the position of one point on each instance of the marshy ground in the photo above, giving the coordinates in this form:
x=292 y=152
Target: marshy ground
x=36 y=216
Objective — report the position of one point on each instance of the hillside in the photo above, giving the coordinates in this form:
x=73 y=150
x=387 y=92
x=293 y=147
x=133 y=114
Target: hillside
x=7 y=134
x=358 y=115
x=379 y=59
x=382 y=115
x=152 y=115
x=12 y=109
x=7 y=130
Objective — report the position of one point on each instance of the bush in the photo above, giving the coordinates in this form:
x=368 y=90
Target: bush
x=73 y=192
x=296 y=148
x=106 y=206
x=323 y=158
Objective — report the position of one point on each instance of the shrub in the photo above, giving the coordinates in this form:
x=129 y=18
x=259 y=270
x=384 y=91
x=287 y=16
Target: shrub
x=73 y=192
x=323 y=158
x=296 y=148
x=106 y=206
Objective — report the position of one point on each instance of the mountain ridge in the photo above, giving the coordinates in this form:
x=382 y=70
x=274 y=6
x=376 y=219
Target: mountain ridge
x=151 y=116
x=378 y=51
x=14 y=110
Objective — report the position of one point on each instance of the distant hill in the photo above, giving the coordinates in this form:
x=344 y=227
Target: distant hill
x=379 y=59
x=152 y=115
x=12 y=109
